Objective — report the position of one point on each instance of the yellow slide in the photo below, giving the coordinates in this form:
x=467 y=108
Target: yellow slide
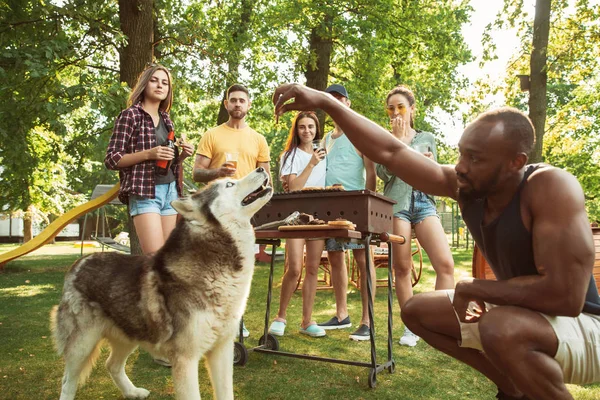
x=58 y=225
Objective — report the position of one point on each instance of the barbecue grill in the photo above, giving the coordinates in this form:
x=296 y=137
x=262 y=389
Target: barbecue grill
x=369 y=211
x=372 y=214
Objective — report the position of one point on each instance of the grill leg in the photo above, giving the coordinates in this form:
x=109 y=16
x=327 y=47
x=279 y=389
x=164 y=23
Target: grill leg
x=390 y=300
x=274 y=246
x=370 y=300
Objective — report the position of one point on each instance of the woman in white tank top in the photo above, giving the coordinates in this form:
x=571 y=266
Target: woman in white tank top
x=301 y=166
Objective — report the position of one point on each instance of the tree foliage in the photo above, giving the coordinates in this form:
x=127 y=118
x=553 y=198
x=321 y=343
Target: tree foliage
x=62 y=65
x=50 y=65
x=571 y=141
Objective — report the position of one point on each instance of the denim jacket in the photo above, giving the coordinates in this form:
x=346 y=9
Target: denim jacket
x=394 y=187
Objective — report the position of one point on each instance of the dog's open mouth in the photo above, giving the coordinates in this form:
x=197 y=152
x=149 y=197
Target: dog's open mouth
x=257 y=194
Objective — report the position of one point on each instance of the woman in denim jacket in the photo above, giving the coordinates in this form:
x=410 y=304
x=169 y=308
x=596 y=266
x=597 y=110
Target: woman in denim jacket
x=414 y=209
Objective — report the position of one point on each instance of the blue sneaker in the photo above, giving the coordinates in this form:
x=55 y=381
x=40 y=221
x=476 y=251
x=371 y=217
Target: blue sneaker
x=277 y=328
x=334 y=323
x=313 y=330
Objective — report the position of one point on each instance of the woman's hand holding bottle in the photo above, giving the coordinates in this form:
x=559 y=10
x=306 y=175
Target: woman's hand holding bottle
x=161 y=153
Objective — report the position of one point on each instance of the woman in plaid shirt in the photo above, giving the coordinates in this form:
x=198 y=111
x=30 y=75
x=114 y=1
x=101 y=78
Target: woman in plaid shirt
x=136 y=145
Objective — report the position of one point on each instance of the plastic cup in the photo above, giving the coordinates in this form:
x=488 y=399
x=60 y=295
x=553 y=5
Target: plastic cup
x=232 y=158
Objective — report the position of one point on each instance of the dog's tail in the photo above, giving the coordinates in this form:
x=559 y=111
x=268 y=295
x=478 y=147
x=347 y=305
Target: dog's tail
x=59 y=348
x=63 y=334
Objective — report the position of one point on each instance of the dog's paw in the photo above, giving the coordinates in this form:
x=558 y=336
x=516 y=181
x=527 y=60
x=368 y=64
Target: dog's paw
x=137 y=393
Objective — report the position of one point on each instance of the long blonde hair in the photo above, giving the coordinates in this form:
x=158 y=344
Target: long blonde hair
x=137 y=94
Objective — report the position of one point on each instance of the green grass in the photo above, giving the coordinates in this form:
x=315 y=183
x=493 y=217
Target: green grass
x=30 y=369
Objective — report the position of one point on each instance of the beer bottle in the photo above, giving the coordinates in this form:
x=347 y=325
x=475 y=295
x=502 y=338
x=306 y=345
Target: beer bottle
x=163 y=166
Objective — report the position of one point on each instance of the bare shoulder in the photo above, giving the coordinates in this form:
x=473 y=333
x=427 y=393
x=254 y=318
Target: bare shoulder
x=549 y=180
x=553 y=188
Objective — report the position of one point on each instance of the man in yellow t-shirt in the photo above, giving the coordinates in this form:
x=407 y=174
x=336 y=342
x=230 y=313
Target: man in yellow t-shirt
x=234 y=136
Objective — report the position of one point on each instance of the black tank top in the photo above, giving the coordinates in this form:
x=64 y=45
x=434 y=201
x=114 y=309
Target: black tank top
x=507 y=245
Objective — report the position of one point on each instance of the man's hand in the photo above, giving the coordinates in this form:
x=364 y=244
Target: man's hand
x=467 y=308
x=304 y=98
x=227 y=169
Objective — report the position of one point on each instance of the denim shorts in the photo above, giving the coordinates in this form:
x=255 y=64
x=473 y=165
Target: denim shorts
x=420 y=208
x=333 y=245
x=164 y=194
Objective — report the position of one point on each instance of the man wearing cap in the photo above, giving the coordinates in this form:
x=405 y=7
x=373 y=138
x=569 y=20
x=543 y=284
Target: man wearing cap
x=349 y=167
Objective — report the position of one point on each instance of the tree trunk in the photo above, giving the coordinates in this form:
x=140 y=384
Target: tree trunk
x=240 y=38
x=538 y=76
x=317 y=68
x=138 y=25
x=28 y=224
x=232 y=77
x=223 y=114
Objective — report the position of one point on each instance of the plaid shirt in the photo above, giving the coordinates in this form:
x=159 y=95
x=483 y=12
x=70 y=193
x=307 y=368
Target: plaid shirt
x=134 y=132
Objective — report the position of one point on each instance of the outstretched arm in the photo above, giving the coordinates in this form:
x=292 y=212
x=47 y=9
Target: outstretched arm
x=563 y=251
x=371 y=140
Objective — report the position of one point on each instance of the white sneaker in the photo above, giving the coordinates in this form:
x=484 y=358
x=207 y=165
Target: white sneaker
x=409 y=339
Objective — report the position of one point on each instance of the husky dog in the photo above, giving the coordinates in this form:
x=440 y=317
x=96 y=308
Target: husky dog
x=183 y=302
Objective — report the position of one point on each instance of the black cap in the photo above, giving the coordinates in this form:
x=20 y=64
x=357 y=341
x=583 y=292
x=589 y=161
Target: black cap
x=337 y=88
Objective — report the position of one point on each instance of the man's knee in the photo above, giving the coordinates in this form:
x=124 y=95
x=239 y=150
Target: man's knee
x=411 y=311
x=500 y=330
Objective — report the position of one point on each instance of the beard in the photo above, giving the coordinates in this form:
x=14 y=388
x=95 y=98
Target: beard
x=237 y=114
x=472 y=193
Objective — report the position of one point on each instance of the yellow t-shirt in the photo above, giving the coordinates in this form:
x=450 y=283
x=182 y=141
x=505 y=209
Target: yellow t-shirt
x=250 y=145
